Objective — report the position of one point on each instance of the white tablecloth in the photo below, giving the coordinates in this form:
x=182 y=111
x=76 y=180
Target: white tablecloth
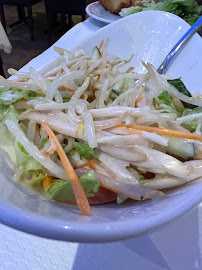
x=178 y=246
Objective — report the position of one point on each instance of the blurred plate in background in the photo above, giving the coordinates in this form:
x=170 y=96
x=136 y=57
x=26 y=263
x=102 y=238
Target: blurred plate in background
x=98 y=12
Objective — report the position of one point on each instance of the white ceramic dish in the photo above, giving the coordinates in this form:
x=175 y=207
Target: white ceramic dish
x=150 y=35
x=96 y=11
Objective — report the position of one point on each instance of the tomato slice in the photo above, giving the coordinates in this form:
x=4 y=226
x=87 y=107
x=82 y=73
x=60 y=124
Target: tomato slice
x=149 y=175
x=103 y=196
x=180 y=158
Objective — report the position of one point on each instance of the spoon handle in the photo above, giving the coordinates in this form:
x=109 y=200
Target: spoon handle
x=162 y=68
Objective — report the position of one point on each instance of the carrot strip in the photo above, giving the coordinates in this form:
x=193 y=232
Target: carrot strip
x=22 y=99
x=44 y=152
x=37 y=128
x=131 y=129
x=47 y=153
x=85 y=97
x=69 y=89
x=138 y=100
x=47 y=181
x=98 y=78
x=2 y=77
x=79 y=193
x=91 y=164
x=100 y=46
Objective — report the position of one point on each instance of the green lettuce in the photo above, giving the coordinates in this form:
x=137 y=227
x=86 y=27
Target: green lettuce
x=7 y=141
x=179 y=85
x=66 y=99
x=8 y=112
x=191 y=125
x=9 y=96
x=189 y=10
x=61 y=190
x=168 y=100
x=84 y=150
x=43 y=142
x=131 y=10
x=33 y=170
x=120 y=199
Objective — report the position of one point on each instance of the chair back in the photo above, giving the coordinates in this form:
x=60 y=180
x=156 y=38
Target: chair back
x=19 y=2
x=75 y=7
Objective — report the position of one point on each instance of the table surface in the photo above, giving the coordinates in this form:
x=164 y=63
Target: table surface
x=178 y=246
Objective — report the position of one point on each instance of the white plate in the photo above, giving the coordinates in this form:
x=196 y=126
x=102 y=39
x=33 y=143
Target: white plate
x=98 y=12
x=150 y=35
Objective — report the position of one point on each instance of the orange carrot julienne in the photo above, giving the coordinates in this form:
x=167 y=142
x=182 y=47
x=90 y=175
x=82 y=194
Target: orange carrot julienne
x=131 y=129
x=47 y=181
x=37 y=128
x=69 y=89
x=45 y=153
x=91 y=164
x=86 y=97
x=138 y=100
x=100 y=46
x=2 y=77
x=79 y=193
x=98 y=77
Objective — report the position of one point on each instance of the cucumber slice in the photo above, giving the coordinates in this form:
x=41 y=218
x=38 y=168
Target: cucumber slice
x=96 y=54
x=123 y=85
x=180 y=147
x=117 y=87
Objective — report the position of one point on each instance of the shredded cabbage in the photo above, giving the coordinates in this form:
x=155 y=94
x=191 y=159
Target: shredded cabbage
x=108 y=119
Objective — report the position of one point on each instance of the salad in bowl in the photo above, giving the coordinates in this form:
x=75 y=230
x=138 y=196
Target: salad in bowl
x=92 y=130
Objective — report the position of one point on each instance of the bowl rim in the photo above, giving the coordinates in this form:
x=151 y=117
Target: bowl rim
x=50 y=228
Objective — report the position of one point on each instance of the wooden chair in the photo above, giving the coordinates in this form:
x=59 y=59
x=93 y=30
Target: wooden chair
x=63 y=7
x=20 y=4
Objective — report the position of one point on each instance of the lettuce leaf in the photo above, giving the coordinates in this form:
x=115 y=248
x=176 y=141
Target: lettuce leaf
x=189 y=10
x=61 y=190
x=191 y=125
x=179 y=85
x=11 y=95
x=168 y=100
x=33 y=170
x=7 y=142
x=66 y=99
x=131 y=10
x=43 y=142
x=8 y=112
x=120 y=199
x=84 y=150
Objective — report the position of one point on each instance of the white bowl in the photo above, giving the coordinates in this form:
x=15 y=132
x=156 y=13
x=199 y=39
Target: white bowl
x=150 y=35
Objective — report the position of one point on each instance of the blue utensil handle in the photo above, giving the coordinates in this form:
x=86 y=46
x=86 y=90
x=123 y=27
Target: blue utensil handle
x=198 y=24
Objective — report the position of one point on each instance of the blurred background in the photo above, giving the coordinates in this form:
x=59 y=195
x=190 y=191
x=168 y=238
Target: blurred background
x=33 y=25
